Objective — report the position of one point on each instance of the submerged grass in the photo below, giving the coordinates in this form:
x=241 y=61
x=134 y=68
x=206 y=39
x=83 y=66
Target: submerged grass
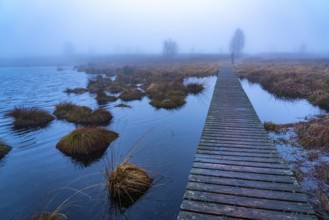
x=86 y=141
x=82 y=115
x=30 y=117
x=4 y=149
x=48 y=216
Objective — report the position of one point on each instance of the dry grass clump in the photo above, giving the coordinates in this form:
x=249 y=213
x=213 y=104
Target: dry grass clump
x=102 y=98
x=195 y=88
x=321 y=172
x=307 y=79
x=86 y=141
x=76 y=90
x=4 y=149
x=48 y=216
x=100 y=83
x=171 y=103
x=314 y=133
x=272 y=127
x=131 y=94
x=82 y=114
x=127 y=183
x=29 y=117
x=122 y=105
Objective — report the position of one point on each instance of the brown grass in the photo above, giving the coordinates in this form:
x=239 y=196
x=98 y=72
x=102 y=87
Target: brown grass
x=131 y=94
x=29 y=117
x=82 y=114
x=314 y=133
x=171 y=103
x=85 y=141
x=195 y=88
x=76 y=90
x=127 y=183
x=48 y=216
x=4 y=149
x=291 y=78
x=270 y=126
x=102 y=98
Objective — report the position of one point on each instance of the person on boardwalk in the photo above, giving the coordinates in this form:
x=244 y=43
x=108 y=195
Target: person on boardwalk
x=232 y=58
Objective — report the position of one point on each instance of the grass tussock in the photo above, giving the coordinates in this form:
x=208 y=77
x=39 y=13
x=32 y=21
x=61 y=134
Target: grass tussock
x=171 y=103
x=127 y=183
x=82 y=115
x=307 y=79
x=102 y=98
x=76 y=90
x=271 y=127
x=86 y=141
x=48 y=216
x=131 y=94
x=195 y=88
x=314 y=134
x=4 y=149
x=30 y=117
x=122 y=105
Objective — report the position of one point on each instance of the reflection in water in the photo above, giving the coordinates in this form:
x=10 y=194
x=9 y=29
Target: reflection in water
x=270 y=108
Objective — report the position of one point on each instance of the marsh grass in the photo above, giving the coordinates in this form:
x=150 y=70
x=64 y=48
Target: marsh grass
x=86 y=141
x=30 y=117
x=314 y=134
x=307 y=79
x=127 y=183
x=4 y=149
x=131 y=94
x=171 y=103
x=195 y=88
x=122 y=105
x=82 y=115
x=76 y=90
x=271 y=127
x=103 y=99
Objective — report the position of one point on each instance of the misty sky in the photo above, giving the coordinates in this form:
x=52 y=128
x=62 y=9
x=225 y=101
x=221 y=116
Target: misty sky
x=42 y=27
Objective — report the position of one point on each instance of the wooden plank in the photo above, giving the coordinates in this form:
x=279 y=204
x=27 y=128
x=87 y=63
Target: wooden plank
x=242 y=175
x=215 y=160
x=241 y=212
x=245 y=183
x=241 y=154
x=183 y=215
x=248 y=192
x=248 y=202
x=216 y=166
x=238 y=149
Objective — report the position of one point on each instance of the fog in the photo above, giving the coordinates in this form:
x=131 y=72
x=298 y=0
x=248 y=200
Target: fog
x=39 y=27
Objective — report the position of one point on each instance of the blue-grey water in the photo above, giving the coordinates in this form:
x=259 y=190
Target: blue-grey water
x=35 y=176
x=281 y=111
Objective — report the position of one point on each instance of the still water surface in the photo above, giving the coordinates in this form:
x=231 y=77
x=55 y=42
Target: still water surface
x=36 y=176
x=270 y=108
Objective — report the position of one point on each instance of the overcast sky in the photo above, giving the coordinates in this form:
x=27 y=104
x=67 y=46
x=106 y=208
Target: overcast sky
x=43 y=27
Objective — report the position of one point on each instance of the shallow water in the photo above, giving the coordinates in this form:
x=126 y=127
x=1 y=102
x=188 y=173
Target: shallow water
x=270 y=108
x=36 y=176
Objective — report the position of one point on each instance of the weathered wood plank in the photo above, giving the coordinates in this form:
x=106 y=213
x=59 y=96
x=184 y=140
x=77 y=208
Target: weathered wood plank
x=245 y=183
x=242 y=175
x=245 y=169
x=248 y=192
x=241 y=212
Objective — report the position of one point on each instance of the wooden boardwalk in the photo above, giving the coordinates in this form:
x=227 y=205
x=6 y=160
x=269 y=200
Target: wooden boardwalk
x=237 y=173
